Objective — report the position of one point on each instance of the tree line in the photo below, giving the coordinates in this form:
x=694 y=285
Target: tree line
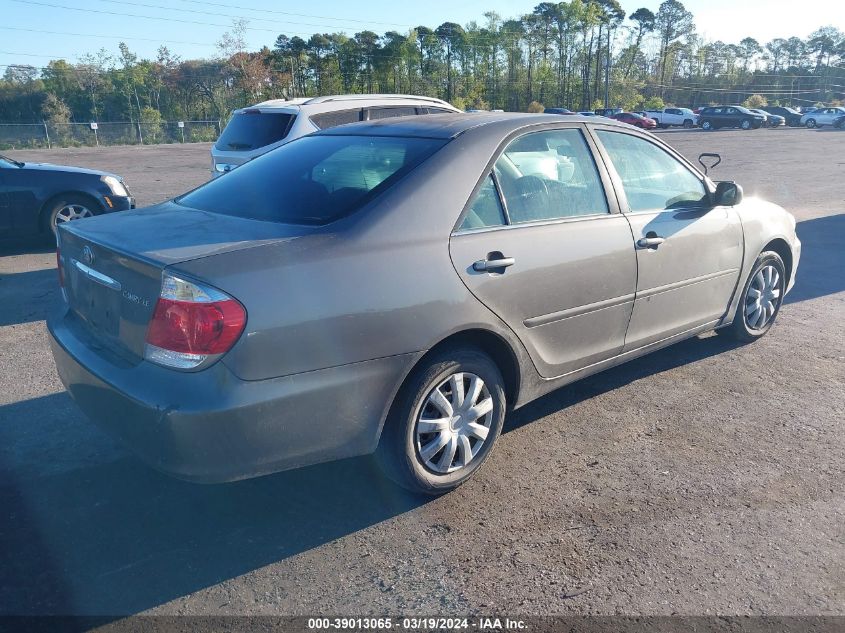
x=578 y=54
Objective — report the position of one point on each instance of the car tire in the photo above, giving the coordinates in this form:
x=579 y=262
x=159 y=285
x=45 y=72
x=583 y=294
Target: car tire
x=746 y=124
x=67 y=208
x=811 y=123
x=755 y=315
x=408 y=453
x=688 y=124
x=706 y=125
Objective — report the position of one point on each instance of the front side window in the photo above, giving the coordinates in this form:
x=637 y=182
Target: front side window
x=313 y=180
x=549 y=175
x=652 y=178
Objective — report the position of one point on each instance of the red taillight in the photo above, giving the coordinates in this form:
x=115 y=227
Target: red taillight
x=187 y=327
x=192 y=321
x=60 y=268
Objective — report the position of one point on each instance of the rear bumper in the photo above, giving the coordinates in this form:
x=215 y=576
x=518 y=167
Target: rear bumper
x=210 y=426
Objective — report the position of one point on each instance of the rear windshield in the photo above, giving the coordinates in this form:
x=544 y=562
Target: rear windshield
x=251 y=130
x=312 y=180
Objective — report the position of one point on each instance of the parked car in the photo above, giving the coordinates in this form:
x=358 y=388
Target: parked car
x=770 y=120
x=588 y=113
x=257 y=129
x=790 y=115
x=557 y=111
x=822 y=116
x=715 y=117
x=668 y=117
x=635 y=119
x=397 y=286
x=608 y=112
x=35 y=197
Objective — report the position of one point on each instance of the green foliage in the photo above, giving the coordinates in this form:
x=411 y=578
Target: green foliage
x=654 y=103
x=755 y=101
x=535 y=106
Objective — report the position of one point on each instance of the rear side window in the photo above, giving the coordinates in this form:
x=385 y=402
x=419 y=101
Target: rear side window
x=387 y=113
x=313 y=180
x=333 y=119
x=254 y=129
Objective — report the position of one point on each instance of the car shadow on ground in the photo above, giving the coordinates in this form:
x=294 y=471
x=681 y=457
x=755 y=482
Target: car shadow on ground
x=821 y=271
x=27 y=296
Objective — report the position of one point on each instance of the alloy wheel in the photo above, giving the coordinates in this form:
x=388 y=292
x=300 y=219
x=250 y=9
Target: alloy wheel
x=763 y=297
x=454 y=423
x=71 y=212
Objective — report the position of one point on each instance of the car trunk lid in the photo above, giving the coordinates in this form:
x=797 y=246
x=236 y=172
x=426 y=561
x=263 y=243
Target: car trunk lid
x=113 y=264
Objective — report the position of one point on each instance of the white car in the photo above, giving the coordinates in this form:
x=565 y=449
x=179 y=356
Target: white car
x=667 y=117
x=257 y=129
x=822 y=116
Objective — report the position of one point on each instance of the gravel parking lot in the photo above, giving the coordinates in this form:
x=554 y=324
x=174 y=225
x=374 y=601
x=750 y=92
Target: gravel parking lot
x=704 y=479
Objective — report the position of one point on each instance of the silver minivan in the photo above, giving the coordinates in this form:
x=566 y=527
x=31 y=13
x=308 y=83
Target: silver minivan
x=257 y=129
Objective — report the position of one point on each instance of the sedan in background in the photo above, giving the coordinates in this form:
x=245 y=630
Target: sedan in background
x=822 y=116
x=397 y=287
x=790 y=115
x=715 y=117
x=771 y=120
x=636 y=120
x=36 y=197
x=557 y=111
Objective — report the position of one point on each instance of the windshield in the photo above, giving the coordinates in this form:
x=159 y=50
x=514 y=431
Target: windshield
x=313 y=180
x=253 y=129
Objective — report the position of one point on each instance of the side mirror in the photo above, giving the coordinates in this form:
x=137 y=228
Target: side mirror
x=728 y=194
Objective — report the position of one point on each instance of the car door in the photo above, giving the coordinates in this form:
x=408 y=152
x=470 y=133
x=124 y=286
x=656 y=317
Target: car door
x=689 y=253
x=540 y=245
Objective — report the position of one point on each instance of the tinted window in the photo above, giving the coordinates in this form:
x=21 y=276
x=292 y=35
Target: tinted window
x=313 y=180
x=485 y=209
x=386 y=113
x=251 y=130
x=652 y=178
x=437 y=111
x=333 y=119
x=548 y=175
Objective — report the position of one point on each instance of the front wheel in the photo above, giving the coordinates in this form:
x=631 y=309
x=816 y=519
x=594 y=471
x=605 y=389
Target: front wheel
x=811 y=123
x=444 y=422
x=745 y=125
x=706 y=125
x=68 y=208
x=688 y=124
x=761 y=299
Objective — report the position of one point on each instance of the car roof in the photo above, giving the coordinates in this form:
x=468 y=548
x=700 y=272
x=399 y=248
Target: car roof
x=446 y=126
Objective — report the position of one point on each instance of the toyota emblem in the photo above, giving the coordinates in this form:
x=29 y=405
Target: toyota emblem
x=88 y=255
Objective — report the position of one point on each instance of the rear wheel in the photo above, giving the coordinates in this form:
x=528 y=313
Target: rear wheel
x=444 y=422
x=688 y=124
x=68 y=208
x=706 y=125
x=761 y=299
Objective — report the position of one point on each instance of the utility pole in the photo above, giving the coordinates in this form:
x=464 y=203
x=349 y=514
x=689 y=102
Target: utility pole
x=607 y=72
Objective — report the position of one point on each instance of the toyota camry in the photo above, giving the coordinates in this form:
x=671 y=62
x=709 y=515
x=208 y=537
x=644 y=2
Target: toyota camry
x=397 y=287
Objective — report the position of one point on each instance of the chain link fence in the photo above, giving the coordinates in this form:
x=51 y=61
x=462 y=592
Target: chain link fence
x=48 y=135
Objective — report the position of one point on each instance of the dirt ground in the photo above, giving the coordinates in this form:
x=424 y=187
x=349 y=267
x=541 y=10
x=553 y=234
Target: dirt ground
x=704 y=479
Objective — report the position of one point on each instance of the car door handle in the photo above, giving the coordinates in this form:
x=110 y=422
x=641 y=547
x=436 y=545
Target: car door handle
x=650 y=242
x=483 y=265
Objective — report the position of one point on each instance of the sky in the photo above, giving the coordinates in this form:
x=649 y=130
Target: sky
x=36 y=31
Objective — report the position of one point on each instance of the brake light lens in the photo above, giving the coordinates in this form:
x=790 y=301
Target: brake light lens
x=192 y=322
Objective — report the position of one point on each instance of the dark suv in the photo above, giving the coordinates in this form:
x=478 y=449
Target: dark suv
x=793 y=117
x=714 y=117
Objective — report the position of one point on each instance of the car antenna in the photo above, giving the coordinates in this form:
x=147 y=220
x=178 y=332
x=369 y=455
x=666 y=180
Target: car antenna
x=701 y=158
